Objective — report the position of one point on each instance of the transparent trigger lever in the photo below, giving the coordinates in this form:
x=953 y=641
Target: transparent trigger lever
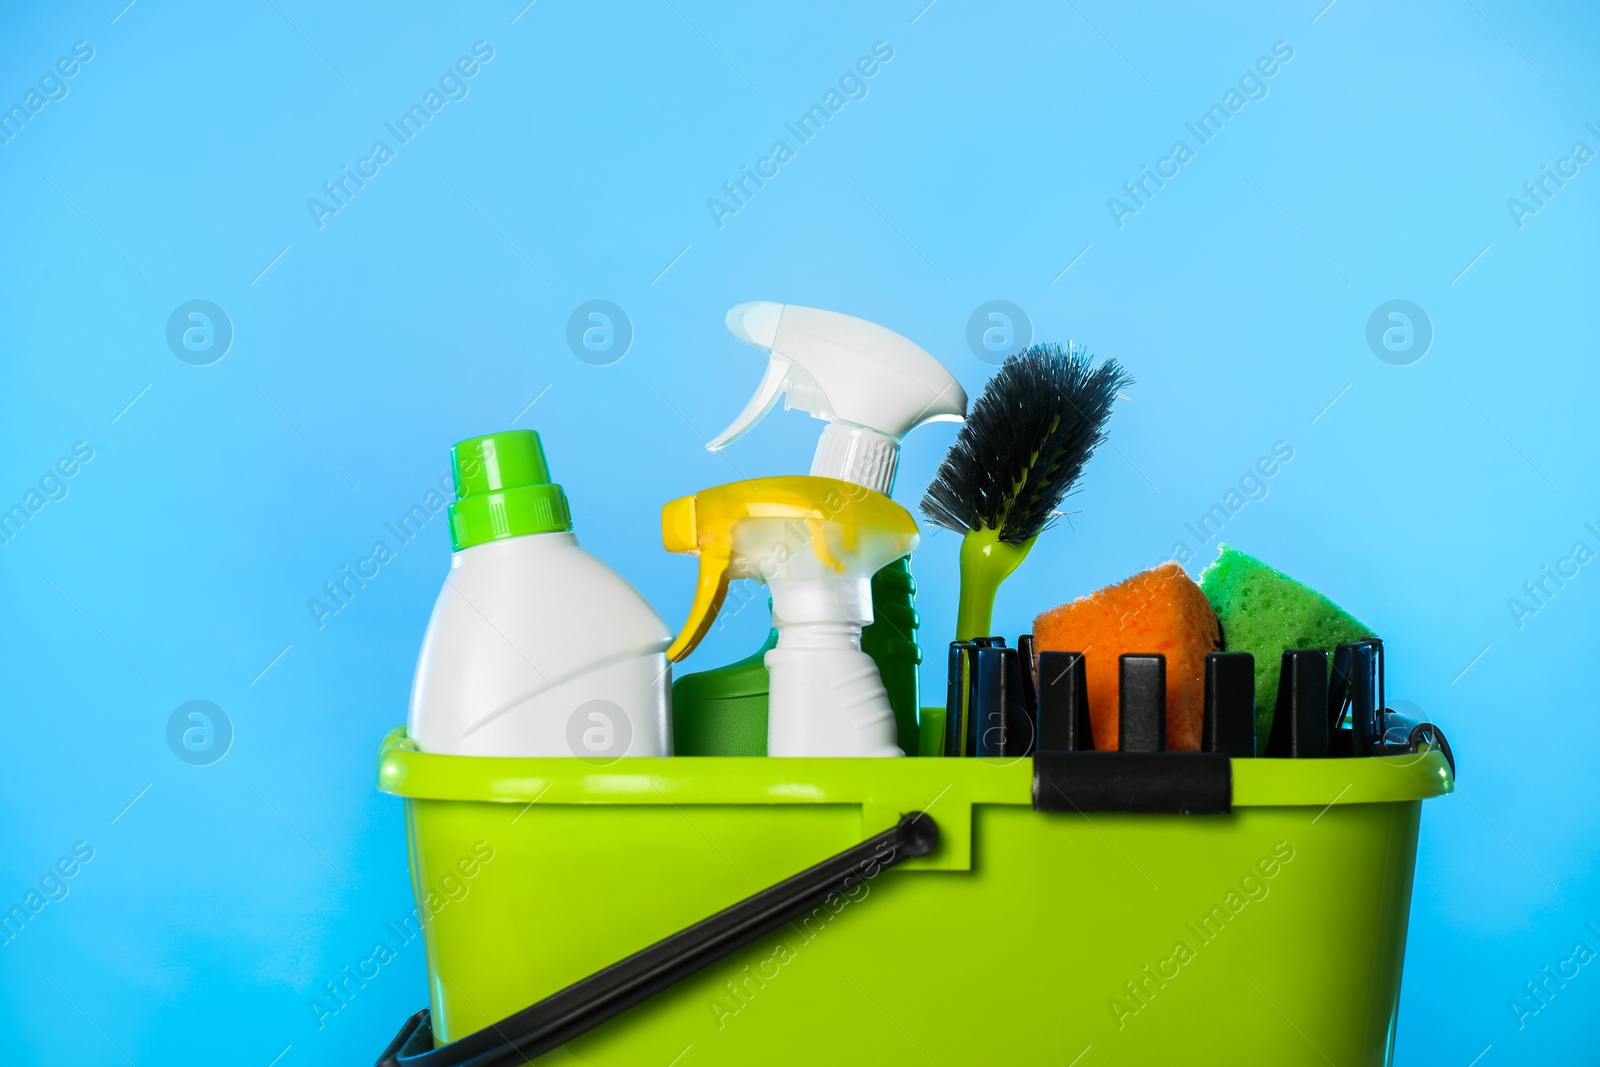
x=773 y=384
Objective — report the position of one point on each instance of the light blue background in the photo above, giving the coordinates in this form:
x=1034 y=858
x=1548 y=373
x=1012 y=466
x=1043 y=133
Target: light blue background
x=434 y=306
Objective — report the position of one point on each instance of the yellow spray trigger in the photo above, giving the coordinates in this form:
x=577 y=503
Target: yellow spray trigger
x=678 y=526
x=704 y=525
x=710 y=591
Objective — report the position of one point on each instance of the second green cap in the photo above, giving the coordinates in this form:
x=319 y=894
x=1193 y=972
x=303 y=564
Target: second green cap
x=503 y=489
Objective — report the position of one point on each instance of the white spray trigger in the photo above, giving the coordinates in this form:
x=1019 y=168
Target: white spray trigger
x=785 y=378
x=869 y=383
x=773 y=384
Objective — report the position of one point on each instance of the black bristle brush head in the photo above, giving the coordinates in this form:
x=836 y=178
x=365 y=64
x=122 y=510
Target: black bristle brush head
x=1025 y=442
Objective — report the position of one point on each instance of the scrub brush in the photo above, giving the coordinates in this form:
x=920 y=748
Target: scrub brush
x=1019 y=453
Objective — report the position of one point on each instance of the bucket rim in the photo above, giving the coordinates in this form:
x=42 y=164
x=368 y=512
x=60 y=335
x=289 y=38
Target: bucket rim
x=911 y=783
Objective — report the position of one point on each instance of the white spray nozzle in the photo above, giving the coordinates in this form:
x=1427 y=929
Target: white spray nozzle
x=842 y=369
x=755 y=322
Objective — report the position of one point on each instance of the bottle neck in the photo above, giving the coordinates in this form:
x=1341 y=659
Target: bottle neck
x=512 y=546
x=830 y=636
x=857 y=454
x=828 y=602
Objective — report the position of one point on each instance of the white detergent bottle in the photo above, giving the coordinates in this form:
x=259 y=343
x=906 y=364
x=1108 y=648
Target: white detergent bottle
x=535 y=647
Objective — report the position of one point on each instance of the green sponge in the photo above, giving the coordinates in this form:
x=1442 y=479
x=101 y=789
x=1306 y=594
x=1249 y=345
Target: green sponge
x=1265 y=612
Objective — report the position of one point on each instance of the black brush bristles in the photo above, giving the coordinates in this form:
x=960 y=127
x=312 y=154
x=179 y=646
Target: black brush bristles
x=1025 y=442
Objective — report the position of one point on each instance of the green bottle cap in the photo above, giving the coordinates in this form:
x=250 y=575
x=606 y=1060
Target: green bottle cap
x=503 y=489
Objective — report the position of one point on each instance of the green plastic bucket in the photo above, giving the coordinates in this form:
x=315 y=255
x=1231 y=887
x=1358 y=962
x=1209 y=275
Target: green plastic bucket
x=1271 y=935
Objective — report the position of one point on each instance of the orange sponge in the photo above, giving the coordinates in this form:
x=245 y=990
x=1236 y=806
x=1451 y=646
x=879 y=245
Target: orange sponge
x=1159 y=610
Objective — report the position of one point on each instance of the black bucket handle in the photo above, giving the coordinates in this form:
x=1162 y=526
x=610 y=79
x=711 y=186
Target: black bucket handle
x=584 y=1005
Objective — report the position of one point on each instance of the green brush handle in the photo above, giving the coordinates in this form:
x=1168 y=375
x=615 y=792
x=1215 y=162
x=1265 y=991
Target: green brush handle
x=986 y=561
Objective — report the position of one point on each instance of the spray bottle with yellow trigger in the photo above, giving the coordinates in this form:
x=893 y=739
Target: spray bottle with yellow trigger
x=815 y=542
x=872 y=387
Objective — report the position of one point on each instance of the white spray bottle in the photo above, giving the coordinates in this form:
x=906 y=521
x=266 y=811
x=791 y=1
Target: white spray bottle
x=872 y=387
x=815 y=542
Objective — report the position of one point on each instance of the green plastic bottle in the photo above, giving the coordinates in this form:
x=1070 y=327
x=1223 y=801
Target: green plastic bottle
x=723 y=712
x=891 y=641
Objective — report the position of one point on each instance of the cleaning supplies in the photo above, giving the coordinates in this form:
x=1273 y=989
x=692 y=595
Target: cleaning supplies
x=535 y=647
x=1157 y=611
x=1021 y=451
x=815 y=542
x=1265 y=613
x=872 y=387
